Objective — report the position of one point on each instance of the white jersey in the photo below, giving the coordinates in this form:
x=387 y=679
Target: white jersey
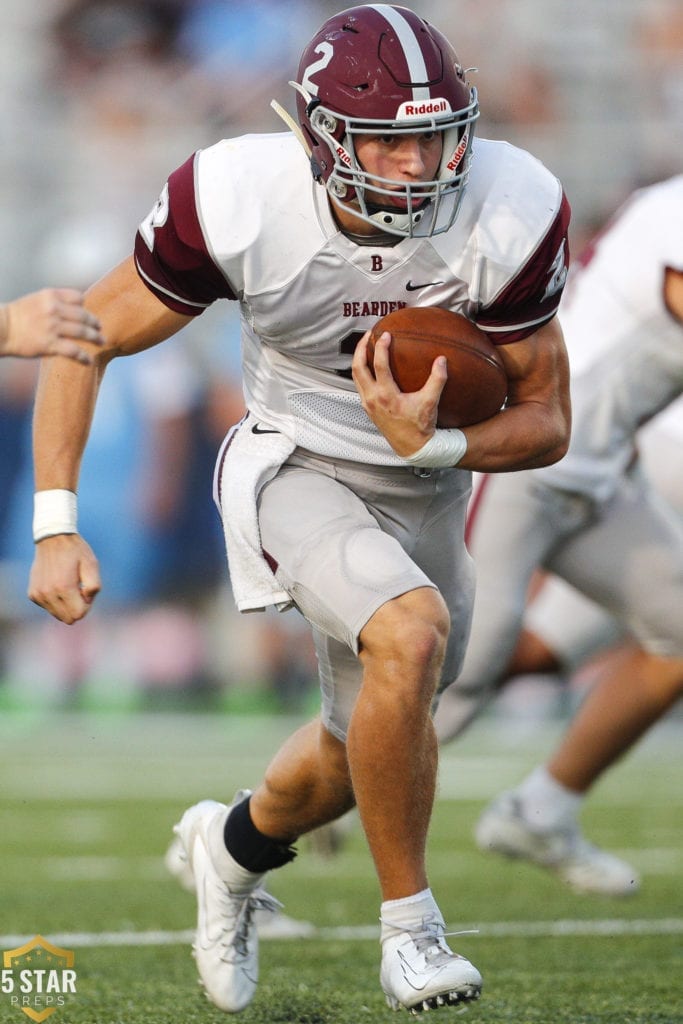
x=625 y=347
x=660 y=446
x=244 y=220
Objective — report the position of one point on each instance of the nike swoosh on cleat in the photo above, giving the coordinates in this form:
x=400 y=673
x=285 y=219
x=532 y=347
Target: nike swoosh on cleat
x=410 y=287
x=420 y=979
x=203 y=938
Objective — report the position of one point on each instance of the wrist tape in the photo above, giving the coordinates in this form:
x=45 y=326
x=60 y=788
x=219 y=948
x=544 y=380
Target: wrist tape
x=54 y=512
x=444 y=449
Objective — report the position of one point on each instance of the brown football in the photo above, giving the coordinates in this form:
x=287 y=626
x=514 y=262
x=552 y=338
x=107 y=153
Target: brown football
x=477 y=383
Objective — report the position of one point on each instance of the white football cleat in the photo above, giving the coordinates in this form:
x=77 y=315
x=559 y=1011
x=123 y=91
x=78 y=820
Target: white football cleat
x=419 y=971
x=271 y=923
x=177 y=864
x=502 y=828
x=226 y=944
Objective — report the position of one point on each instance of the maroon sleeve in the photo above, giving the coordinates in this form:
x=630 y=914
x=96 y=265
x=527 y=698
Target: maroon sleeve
x=171 y=253
x=533 y=295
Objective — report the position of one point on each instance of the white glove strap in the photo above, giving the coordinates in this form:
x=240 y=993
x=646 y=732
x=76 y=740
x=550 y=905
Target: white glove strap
x=54 y=512
x=444 y=449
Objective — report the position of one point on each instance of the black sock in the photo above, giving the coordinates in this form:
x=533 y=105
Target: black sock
x=249 y=847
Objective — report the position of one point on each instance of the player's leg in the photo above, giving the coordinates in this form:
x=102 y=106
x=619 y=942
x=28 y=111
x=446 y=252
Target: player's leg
x=307 y=784
x=391 y=743
x=230 y=849
x=393 y=756
x=512 y=525
x=392 y=748
x=564 y=629
x=225 y=851
x=634 y=690
x=381 y=702
x=389 y=759
x=343 y=572
x=532 y=656
x=630 y=561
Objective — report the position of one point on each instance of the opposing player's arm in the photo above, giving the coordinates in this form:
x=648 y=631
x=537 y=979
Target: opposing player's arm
x=532 y=430
x=65 y=576
x=50 y=322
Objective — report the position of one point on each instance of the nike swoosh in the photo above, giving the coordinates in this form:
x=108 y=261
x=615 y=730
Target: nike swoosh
x=204 y=939
x=259 y=430
x=410 y=287
x=418 y=976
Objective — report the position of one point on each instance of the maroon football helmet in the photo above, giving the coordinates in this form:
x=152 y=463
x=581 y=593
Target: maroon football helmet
x=383 y=70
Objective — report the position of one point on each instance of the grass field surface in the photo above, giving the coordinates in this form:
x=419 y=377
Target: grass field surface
x=86 y=810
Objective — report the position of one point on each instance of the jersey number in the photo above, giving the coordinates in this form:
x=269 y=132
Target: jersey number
x=348 y=347
x=155 y=219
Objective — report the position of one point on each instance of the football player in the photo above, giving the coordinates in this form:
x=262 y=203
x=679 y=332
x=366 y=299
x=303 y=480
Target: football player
x=337 y=493
x=595 y=521
x=563 y=630
x=50 y=322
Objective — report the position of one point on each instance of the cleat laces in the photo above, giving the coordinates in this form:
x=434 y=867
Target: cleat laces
x=238 y=913
x=429 y=940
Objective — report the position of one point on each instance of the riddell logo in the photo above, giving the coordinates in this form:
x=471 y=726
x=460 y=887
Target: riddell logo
x=438 y=106
x=459 y=153
x=343 y=156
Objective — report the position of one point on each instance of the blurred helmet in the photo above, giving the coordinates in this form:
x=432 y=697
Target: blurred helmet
x=383 y=70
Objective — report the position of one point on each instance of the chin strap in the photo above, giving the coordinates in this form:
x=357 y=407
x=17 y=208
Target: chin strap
x=387 y=217
x=292 y=125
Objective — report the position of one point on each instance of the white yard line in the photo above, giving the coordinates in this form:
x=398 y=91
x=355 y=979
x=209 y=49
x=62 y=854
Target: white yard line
x=492 y=929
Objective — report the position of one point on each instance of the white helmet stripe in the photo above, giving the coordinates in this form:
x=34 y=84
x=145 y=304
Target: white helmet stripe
x=413 y=54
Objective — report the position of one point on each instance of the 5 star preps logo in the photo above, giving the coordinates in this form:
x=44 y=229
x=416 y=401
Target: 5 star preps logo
x=38 y=977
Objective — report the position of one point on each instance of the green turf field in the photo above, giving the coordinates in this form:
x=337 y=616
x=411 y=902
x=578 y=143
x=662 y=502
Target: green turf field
x=86 y=808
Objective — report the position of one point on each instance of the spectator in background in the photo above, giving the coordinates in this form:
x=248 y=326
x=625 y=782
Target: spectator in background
x=239 y=52
x=118 y=84
x=658 y=39
x=92 y=34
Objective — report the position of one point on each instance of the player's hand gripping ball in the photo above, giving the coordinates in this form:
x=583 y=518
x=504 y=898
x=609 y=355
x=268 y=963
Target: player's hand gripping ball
x=477 y=383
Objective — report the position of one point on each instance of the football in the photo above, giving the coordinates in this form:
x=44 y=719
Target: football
x=477 y=383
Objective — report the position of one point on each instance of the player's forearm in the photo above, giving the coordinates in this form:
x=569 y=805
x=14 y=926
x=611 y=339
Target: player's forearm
x=521 y=437
x=534 y=427
x=65 y=402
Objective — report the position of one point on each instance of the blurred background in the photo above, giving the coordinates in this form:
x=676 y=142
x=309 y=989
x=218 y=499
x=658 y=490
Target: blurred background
x=99 y=101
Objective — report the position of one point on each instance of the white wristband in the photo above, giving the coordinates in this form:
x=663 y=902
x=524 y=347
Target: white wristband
x=444 y=449
x=54 y=512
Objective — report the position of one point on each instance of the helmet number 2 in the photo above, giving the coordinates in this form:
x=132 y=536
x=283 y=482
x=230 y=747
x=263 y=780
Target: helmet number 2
x=327 y=52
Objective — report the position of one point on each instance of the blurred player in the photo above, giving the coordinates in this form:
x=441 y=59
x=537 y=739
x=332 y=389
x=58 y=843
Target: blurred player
x=564 y=631
x=50 y=322
x=593 y=520
x=339 y=496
